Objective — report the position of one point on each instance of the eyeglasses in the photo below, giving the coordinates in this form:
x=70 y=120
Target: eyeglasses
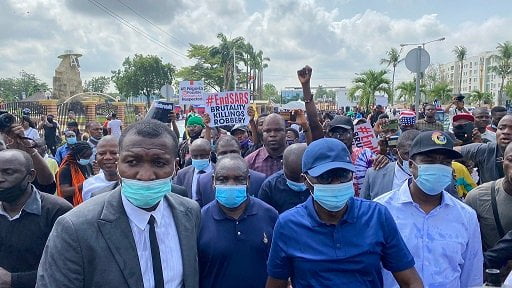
x=340 y=134
x=329 y=176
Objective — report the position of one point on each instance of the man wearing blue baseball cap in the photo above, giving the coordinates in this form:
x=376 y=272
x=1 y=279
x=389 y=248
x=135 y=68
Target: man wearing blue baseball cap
x=334 y=239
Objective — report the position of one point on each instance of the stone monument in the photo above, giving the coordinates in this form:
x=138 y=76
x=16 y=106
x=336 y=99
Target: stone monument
x=66 y=81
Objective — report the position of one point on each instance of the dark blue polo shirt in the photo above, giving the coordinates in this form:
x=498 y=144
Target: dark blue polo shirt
x=234 y=253
x=276 y=193
x=349 y=254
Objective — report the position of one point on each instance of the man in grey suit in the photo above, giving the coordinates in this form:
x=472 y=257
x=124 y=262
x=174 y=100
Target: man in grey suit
x=392 y=176
x=226 y=144
x=200 y=151
x=138 y=235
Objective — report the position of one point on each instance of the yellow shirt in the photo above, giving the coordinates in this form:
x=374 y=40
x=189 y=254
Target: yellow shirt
x=52 y=164
x=463 y=180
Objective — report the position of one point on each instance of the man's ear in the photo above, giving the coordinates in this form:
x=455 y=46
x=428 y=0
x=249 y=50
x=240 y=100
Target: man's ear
x=31 y=175
x=176 y=165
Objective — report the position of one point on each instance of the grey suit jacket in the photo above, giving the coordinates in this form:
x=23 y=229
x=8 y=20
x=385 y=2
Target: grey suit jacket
x=184 y=178
x=93 y=245
x=378 y=182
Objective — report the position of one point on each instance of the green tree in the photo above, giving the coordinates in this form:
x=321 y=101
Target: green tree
x=143 y=75
x=97 y=84
x=479 y=97
x=366 y=85
x=206 y=68
x=225 y=52
x=408 y=91
x=460 y=53
x=393 y=60
x=270 y=93
x=441 y=91
x=508 y=89
x=504 y=67
x=12 y=89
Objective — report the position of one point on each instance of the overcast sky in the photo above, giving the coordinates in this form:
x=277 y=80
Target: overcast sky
x=336 y=37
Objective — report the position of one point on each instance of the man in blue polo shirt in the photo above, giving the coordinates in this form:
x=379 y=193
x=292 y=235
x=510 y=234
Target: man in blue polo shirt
x=334 y=239
x=236 y=230
x=284 y=190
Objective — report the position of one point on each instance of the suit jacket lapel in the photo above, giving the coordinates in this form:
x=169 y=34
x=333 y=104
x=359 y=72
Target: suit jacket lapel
x=183 y=221
x=115 y=228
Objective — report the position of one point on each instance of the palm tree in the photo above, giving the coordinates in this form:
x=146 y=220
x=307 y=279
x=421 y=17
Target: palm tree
x=504 y=67
x=392 y=60
x=407 y=91
x=225 y=52
x=478 y=96
x=461 y=53
x=442 y=92
x=366 y=85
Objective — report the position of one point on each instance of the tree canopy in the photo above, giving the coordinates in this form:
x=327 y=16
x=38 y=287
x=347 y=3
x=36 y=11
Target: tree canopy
x=97 y=84
x=143 y=75
x=366 y=85
x=12 y=89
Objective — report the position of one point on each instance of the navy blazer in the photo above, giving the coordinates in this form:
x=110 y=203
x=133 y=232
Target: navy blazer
x=206 y=194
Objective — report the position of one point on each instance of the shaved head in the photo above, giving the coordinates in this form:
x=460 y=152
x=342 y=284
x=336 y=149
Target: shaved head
x=108 y=139
x=292 y=161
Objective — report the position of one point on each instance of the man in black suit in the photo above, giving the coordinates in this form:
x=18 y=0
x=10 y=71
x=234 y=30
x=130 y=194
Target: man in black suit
x=200 y=151
x=225 y=145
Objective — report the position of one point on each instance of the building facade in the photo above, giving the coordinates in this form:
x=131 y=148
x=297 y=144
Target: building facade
x=476 y=74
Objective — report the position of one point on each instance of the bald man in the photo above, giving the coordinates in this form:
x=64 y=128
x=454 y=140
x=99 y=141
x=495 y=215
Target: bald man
x=26 y=219
x=284 y=189
x=107 y=150
x=200 y=152
x=268 y=159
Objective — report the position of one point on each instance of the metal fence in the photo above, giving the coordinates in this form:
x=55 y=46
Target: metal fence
x=33 y=109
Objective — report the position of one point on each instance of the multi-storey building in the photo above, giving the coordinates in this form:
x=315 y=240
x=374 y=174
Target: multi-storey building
x=476 y=74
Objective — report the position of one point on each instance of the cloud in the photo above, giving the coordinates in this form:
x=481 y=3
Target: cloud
x=327 y=35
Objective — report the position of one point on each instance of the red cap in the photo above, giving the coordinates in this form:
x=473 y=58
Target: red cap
x=465 y=116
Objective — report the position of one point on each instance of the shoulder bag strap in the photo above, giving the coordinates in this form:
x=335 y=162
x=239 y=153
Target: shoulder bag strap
x=501 y=232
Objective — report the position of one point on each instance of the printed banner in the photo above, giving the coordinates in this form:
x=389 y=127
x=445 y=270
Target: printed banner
x=364 y=137
x=227 y=108
x=191 y=92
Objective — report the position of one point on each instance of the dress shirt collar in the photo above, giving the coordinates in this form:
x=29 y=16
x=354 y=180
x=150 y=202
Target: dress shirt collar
x=141 y=217
x=33 y=205
x=314 y=220
x=218 y=214
x=404 y=195
x=208 y=169
x=400 y=173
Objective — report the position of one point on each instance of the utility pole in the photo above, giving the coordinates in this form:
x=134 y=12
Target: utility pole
x=234 y=67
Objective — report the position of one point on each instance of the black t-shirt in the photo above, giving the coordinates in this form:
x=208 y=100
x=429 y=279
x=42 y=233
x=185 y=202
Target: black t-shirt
x=22 y=240
x=65 y=177
x=50 y=133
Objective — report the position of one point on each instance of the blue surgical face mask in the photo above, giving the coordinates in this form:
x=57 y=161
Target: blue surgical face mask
x=200 y=164
x=84 y=162
x=333 y=197
x=71 y=140
x=433 y=178
x=296 y=186
x=231 y=196
x=145 y=194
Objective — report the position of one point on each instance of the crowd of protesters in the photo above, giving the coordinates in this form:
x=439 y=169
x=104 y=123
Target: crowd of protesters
x=270 y=204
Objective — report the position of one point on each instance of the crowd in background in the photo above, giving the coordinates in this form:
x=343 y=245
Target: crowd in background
x=269 y=204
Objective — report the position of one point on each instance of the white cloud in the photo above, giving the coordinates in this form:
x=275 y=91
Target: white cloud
x=292 y=33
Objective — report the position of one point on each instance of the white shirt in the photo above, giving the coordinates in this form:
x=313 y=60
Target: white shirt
x=445 y=243
x=115 y=127
x=195 y=177
x=95 y=183
x=400 y=177
x=168 y=242
x=32 y=133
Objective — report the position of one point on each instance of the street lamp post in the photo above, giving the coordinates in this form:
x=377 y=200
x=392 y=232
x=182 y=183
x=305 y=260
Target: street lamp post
x=421 y=46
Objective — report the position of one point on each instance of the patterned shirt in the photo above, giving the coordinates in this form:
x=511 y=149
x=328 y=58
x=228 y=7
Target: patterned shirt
x=423 y=125
x=262 y=162
x=362 y=158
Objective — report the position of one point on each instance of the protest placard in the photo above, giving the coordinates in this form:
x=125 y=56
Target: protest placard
x=364 y=137
x=191 y=92
x=227 y=108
